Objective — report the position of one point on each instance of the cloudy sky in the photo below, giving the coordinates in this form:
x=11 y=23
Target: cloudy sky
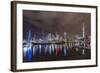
x=49 y=21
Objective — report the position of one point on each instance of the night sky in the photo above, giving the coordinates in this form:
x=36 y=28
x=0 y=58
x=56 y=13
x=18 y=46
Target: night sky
x=49 y=21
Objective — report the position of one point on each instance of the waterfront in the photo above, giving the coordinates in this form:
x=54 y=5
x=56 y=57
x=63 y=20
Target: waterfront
x=55 y=36
x=72 y=54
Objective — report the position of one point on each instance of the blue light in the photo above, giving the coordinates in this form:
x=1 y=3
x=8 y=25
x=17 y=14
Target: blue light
x=65 y=51
x=50 y=49
x=29 y=53
x=29 y=38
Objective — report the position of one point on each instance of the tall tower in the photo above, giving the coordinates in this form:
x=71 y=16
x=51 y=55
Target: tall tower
x=83 y=31
x=84 y=40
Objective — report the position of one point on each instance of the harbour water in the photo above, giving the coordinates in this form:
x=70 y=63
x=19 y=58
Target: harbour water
x=49 y=52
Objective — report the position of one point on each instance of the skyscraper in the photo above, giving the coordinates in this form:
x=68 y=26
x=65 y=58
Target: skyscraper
x=83 y=31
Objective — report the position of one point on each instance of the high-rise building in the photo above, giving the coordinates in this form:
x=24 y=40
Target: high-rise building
x=83 y=31
x=84 y=40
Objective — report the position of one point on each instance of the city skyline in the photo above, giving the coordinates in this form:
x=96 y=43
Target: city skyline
x=49 y=36
x=52 y=22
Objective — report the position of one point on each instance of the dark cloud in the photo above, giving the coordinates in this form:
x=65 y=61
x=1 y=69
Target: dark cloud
x=49 y=21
